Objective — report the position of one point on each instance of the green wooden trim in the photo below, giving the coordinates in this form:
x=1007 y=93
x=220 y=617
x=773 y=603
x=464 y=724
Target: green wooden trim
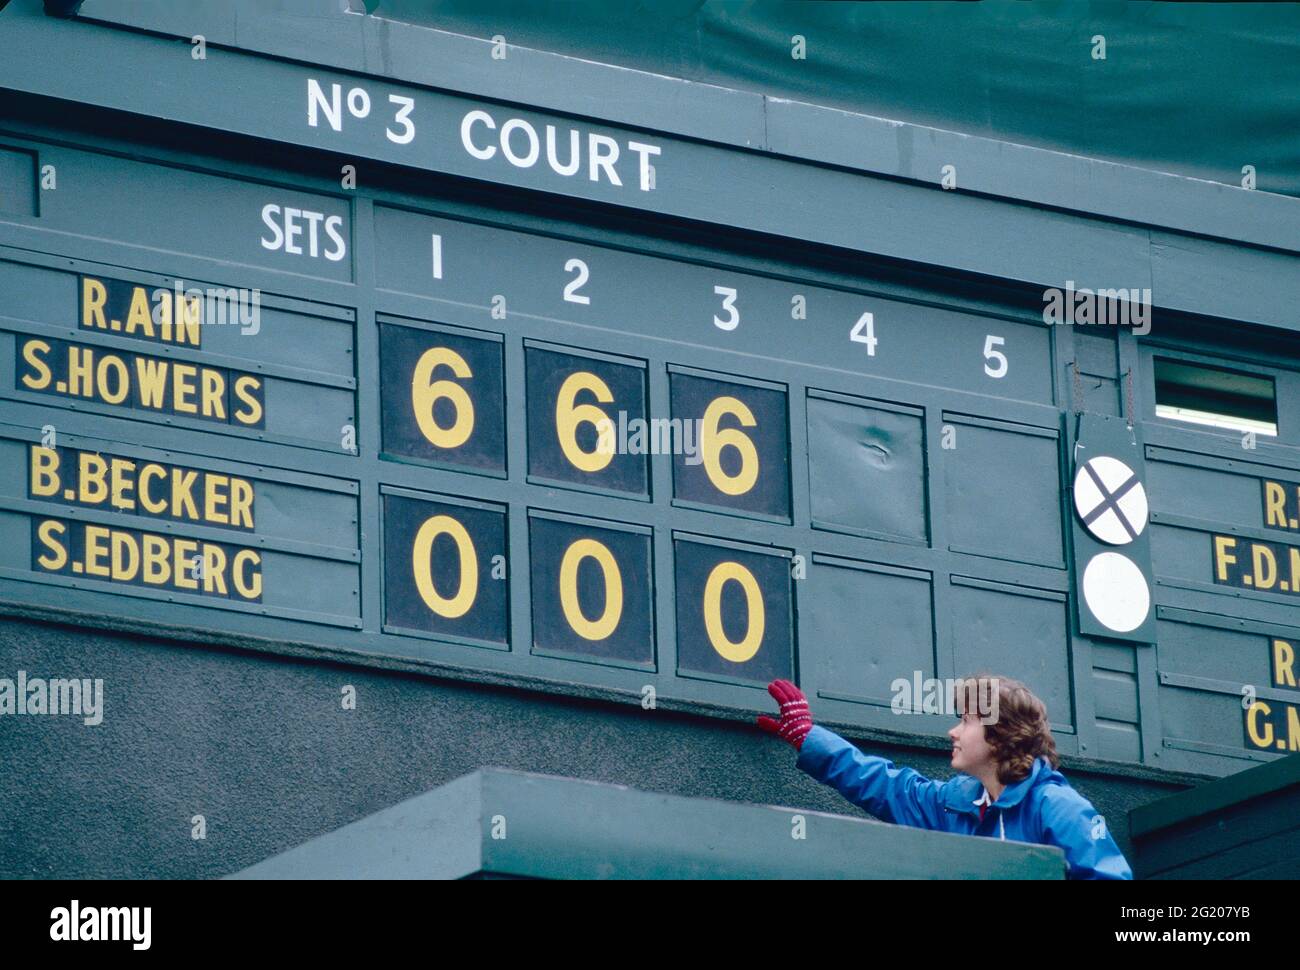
x=498 y=822
x=1215 y=796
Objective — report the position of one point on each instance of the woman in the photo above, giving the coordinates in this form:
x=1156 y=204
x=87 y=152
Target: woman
x=1008 y=788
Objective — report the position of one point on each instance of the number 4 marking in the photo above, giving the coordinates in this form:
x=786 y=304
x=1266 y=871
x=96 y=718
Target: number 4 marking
x=869 y=338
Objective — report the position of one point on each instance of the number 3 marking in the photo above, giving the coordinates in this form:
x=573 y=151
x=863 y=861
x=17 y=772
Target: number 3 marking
x=729 y=304
x=406 y=106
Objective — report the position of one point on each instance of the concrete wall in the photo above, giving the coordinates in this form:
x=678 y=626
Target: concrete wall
x=261 y=747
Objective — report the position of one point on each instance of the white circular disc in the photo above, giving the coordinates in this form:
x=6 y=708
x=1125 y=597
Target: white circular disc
x=1115 y=521
x=1116 y=592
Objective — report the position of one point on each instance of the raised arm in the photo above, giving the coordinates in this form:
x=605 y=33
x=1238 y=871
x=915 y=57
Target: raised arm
x=899 y=795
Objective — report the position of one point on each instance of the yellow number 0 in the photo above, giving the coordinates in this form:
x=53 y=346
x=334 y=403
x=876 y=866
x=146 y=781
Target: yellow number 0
x=421 y=559
x=712 y=441
x=568 y=416
x=425 y=392
x=746 y=648
x=591 y=629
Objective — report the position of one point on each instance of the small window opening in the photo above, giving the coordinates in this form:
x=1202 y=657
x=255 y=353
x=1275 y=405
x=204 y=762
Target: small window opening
x=1216 y=397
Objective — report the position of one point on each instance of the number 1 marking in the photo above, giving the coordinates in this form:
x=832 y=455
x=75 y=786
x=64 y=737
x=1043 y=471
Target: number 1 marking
x=437 y=256
x=868 y=338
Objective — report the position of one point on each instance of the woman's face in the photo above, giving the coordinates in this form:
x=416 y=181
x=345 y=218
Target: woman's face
x=970 y=752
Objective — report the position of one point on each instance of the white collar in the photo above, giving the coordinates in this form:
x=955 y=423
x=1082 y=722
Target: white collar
x=986 y=800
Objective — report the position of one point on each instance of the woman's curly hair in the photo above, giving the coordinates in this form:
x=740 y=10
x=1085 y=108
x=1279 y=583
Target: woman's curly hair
x=1019 y=732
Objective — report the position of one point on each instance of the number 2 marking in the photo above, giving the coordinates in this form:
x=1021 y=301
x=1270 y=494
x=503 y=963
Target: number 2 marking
x=868 y=338
x=571 y=291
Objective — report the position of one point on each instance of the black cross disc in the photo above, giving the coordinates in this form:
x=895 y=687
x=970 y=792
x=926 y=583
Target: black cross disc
x=1110 y=500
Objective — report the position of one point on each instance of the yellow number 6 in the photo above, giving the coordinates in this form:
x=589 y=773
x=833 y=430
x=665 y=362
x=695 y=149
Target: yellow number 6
x=712 y=441
x=425 y=392
x=569 y=415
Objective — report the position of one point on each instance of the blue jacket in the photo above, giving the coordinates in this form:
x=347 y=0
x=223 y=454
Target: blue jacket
x=1041 y=808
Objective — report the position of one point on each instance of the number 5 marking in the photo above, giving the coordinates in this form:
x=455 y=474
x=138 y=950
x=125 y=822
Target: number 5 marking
x=868 y=338
x=990 y=354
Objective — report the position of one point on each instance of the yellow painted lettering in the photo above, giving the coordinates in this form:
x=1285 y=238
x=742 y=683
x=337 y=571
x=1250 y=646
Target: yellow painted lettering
x=148 y=474
x=607 y=623
x=189 y=314
x=43 y=479
x=81 y=371
x=112 y=369
x=246 y=574
x=126 y=557
x=92 y=489
x=421 y=563
x=1264 y=738
x=183 y=553
x=1223 y=557
x=183 y=389
x=138 y=318
x=247 y=389
x=157 y=565
x=39 y=377
x=96 y=549
x=736 y=652
x=1283 y=664
x=1264 y=565
x=214 y=394
x=1274 y=505
x=123 y=481
x=151 y=379
x=183 y=495
x=93 y=298
x=241 y=502
x=50 y=532
x=214 y=569
x=214 y=497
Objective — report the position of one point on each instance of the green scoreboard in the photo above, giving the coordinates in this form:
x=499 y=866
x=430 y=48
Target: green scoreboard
x=311 y=356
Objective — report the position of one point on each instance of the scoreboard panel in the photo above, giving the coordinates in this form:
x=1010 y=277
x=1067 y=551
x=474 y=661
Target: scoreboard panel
x=469 y=433
x=79 y=512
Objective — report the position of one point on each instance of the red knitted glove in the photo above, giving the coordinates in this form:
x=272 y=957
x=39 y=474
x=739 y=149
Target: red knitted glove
x=796 y=720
